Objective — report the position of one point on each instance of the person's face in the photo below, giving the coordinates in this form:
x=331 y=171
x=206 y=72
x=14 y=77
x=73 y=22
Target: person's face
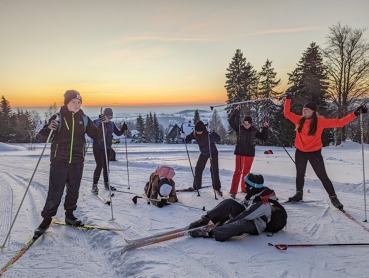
x=246 y=124
x=198 y=132
x=74 y=105
x=307 y=112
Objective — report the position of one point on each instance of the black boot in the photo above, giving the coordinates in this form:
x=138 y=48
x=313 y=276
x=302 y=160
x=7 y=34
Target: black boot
x=296 y=198
x=336 y=202
x=201 y=222
x=201 y=232
x=42 y=227
x=72 y=220
x=112 y=188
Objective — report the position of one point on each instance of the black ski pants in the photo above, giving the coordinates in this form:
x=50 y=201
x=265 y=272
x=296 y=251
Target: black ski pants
x=63 y=174
x=100 y=160
x=214 y=170
x=317 y=162
x=224 y=211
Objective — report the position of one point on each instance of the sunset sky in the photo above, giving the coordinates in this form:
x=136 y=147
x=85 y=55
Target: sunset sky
x=154 y=52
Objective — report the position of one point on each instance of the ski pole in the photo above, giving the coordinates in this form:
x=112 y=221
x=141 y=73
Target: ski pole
x=125 y=142
x=211 y=166
x=29 y=184
x=134 y=200
x=275 y=100
x=189 y=160
x=107 y=169
x=363 y=161
x=285 y=246
x=236 y=103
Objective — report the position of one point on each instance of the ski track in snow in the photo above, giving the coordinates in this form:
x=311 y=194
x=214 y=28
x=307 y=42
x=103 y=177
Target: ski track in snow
x=69 y=252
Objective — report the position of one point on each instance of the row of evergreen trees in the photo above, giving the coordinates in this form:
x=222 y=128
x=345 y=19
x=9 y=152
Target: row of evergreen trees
x=17 y=127
x=335 y=78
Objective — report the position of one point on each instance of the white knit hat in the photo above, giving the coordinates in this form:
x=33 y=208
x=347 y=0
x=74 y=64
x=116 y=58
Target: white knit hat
x=165 y=190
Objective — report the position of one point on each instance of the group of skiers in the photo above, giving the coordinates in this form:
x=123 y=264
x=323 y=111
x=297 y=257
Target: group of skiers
x=67 y=131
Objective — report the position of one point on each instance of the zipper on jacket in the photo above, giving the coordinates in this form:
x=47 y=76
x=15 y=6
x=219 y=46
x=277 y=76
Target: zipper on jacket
x=72 y=140
x=66 y=123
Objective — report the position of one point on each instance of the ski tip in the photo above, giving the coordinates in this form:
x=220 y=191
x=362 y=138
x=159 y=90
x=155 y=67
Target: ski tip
x=125 y=249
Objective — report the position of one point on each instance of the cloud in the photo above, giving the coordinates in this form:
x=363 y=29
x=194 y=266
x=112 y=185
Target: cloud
x=285 y=30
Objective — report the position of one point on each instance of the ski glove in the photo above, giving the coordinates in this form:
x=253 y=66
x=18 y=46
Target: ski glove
x=289 y=95
x=124 y=126
x=103 y=118
x=361 y=110
x=53 y=125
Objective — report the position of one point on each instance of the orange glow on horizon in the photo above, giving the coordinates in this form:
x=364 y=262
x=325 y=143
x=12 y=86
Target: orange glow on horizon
x=117 y=100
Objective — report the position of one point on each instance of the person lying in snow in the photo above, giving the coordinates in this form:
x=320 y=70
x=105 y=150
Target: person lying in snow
x=252 y=216
x=160 y=189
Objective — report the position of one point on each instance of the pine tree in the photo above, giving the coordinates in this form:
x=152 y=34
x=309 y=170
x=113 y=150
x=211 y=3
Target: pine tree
x=196 y=117
x=267 y=83
x=140 y=126
x=240 y=79
x=309 y=82
x=216 y=125
x=6 y=126
x=159 y=134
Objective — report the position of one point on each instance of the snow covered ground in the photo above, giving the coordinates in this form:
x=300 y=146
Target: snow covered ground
x=69 y=252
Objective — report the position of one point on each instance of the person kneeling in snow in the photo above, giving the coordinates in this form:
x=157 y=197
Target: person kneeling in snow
x=252 y=216
x=161 y=187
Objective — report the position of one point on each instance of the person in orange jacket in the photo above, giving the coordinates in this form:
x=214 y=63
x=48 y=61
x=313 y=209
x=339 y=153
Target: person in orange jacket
x=308 y=143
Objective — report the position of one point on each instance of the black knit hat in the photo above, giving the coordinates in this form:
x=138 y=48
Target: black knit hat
x=71 y=94
x=256 y=181
x=247 y=119
x=310 y=105
x=108 y=112
x=200 y=126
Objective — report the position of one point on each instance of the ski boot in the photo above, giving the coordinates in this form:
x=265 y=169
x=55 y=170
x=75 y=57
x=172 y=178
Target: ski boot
x=201 y=222
x=72 y=220
x=296 y=198
x=202 y=232
x=219 y=192
x=42 y=227
x=336 y=202
x=94 y=189
x=112 y=188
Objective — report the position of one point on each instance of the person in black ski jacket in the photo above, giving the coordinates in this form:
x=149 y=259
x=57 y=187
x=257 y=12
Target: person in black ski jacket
x=247 y=136
x=99 y=150
x=208 y=149
x=230 y=218
x=67 y=157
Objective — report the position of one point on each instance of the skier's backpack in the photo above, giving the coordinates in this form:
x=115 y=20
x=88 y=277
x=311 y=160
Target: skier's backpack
x=278 y=219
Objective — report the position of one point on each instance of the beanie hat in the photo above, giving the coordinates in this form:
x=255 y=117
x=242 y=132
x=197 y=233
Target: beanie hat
x=200 y=126
x=71 y=94
x=310 y=105
x=165 y=188
x=247 y=119
x=256 y=181
x=165 y=171
x=108 y=112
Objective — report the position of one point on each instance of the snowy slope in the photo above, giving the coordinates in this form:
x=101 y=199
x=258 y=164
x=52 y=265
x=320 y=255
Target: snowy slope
x=69 y=252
